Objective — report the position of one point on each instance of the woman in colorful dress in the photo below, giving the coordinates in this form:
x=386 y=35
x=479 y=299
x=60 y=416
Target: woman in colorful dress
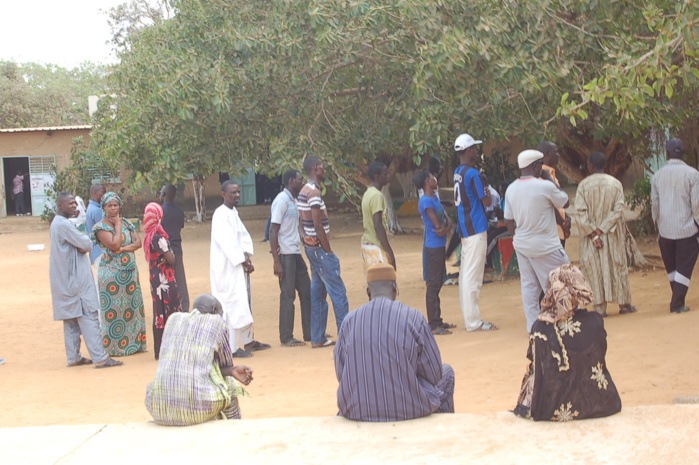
x=161 y=261
x=121 y=302
x=437 y=225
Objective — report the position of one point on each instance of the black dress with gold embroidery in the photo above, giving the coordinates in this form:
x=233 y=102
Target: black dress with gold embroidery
x=568 y=377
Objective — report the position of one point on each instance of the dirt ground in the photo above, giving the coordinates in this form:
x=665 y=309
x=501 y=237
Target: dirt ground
x=652 y=355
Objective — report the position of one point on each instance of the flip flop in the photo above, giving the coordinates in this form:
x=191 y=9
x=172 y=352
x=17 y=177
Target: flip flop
x=448 y=326
x=82 y=361
x=240 y=353
x=256 y=345
x=486 y=326
x=327 y=343
x=623 y=310
x=110 y=363
x=680 y=310
x=293 y=342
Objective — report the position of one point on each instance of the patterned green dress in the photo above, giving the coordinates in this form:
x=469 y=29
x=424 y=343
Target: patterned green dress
x=121 y=303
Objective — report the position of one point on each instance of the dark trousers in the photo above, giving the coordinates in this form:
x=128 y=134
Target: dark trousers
x=181 y=280
x=679 y=257
x=20 y=209
x=435 y=280
x=294 y=279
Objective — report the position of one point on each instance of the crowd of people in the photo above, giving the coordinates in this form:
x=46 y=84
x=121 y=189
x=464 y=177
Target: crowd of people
x=387 y=361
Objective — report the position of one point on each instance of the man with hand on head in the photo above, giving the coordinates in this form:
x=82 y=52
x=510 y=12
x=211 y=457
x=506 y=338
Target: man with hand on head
x=530 y=217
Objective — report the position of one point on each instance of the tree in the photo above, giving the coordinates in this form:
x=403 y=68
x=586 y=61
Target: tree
x=34 y=95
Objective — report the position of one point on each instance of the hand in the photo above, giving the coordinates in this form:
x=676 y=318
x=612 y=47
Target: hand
x=278 y=269
x=545 y=174
x=247 y=266
x=162 y=242
x=242 y=373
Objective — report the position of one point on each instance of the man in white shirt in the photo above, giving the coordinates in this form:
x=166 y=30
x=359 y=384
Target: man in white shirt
x=231 y=248
x=289 y=267
x=675 y=209
x=531 y=220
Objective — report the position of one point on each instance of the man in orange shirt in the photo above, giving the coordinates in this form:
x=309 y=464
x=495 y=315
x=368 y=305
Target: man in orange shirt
x=551 y=157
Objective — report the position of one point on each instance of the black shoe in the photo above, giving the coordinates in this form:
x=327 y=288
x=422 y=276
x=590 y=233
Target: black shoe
x=256 y=345
x=240 y=353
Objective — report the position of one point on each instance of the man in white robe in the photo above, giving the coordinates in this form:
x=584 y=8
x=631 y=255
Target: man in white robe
x=231 y=248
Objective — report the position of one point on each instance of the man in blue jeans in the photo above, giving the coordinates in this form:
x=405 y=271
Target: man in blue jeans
x=325 y=265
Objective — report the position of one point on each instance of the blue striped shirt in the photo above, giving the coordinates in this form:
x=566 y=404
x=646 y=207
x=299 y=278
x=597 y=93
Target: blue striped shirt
x=387 y=363
x=468 y=192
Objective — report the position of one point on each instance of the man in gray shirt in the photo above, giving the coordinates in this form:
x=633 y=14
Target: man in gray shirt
x=289 y=267
x=72 y=289
x=675 y=209
x=531 y=220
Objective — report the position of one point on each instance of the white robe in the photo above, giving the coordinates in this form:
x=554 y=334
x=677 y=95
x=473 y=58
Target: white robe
x=230 y=241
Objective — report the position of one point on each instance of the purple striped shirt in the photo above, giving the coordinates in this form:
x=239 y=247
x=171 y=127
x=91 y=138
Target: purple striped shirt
x=387 y=363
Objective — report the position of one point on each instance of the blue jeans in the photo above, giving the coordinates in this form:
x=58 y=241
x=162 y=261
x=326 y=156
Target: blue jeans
x=325 y=279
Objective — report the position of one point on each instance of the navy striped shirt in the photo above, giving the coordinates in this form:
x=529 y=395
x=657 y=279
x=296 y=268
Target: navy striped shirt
x=387 y=363
x=468 y=192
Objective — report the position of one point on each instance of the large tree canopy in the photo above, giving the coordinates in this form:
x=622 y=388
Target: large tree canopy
x=226 y=84
x=48 y=95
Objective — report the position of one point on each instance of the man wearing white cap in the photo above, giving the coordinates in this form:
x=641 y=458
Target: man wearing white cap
x=471 y=198
x=530 y=217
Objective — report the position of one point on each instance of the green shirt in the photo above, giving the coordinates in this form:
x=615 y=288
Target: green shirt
x=372 y=202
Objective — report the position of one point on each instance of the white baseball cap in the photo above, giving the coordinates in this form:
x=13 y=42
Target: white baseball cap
x=527 y=157
x=465 y=141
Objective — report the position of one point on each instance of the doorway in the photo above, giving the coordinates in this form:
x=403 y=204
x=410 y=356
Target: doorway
x=11 y=167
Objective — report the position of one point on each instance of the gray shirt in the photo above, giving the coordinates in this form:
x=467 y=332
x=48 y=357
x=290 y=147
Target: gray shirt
x=72 y=285
x=530 y=202
x=675 y=200
x=286 y=215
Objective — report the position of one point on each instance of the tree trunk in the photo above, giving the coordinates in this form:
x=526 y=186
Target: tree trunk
x=391 y=216
x=199 y=198
x=406 y=182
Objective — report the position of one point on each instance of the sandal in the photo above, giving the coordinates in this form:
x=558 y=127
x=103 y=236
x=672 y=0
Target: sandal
x=440 y=331
x=680 y=310
x=624 y=309
x=293 y=342
x=486 y=326
x=110 y=363
x=82 y=361
x=448 y=326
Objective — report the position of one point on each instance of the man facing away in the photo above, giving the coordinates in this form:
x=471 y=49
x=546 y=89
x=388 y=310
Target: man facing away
x=599 y=203
x=93 y=216
x=231 y=248
x=530 y=217
x=551 y=158
x=375 y=245
x=18 y=193
x=289 y=267
x=471 y=199
x=196 y=380
x=173 y=222
x=675 y=209
x=387 y=361
x=325 y=265
x=73 y=291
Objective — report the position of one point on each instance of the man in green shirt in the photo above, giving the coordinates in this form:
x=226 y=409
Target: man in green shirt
x=375 y=246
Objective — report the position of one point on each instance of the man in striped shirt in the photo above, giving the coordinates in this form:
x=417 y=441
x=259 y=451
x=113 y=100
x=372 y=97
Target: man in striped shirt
x=196 y=380
x=675 y=209
x=325 y=265
x=387 y=361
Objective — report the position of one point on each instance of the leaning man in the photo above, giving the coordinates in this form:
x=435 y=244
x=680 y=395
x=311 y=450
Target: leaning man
x=73 y=290
x=387 y=361
x=196 y=380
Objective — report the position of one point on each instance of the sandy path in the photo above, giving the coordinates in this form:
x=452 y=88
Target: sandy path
x=652 y=355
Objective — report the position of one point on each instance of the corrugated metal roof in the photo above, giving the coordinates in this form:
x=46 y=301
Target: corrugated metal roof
x=48 y=128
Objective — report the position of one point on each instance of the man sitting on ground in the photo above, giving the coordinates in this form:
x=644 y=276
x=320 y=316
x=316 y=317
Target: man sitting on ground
x=196 y=380
x=387 y=361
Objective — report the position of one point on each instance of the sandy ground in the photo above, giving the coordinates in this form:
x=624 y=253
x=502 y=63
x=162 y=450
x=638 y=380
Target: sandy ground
x=652 y=355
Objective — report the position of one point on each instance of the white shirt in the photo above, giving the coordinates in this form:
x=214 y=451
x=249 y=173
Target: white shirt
x=531 y=202
x=675 y=200
x=286 y=215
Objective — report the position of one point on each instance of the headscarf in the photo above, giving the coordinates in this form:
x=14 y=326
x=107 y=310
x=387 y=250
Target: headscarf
x=152 y=216
x=569 y=291
x=108 y=197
